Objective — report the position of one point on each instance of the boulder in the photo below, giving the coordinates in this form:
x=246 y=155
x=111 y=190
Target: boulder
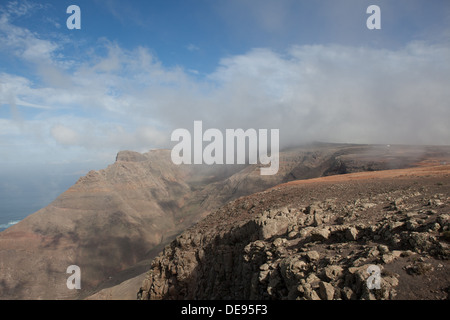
x=326 y=291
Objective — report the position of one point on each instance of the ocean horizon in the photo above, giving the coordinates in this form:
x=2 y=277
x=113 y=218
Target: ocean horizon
x=25 y=191
x=4 y=226
x=12 y=212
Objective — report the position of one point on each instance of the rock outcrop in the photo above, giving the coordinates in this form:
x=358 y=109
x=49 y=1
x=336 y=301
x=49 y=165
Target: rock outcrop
x=317 y=239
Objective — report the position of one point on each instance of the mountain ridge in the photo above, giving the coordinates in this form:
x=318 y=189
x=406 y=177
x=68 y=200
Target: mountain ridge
x=112 y=219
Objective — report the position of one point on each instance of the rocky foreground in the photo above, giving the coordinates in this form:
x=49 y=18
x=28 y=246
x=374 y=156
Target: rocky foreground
x=315 y=239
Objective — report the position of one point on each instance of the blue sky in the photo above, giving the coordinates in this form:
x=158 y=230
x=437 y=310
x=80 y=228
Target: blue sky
x=137 y=70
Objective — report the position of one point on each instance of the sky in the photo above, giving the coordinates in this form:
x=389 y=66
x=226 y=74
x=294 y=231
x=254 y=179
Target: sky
x=137 y=70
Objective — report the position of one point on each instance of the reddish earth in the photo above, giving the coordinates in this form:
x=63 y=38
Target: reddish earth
x=437 y=171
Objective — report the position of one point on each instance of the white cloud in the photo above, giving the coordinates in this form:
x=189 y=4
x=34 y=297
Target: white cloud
x=128 y=99
x=18 y=91
x=24 y=43
x=192 y=47
x=8 y=127
x=65 y=135
x=16 y=8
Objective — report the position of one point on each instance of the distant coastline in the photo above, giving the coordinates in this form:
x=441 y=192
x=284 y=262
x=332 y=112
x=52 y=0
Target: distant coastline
x=5 y=226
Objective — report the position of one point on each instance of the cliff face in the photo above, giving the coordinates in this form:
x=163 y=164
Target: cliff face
x=106 y=222
x=113 y=220
x=316 y=239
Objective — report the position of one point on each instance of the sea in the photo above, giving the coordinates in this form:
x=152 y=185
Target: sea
x=14 y=210
x=26 y=190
